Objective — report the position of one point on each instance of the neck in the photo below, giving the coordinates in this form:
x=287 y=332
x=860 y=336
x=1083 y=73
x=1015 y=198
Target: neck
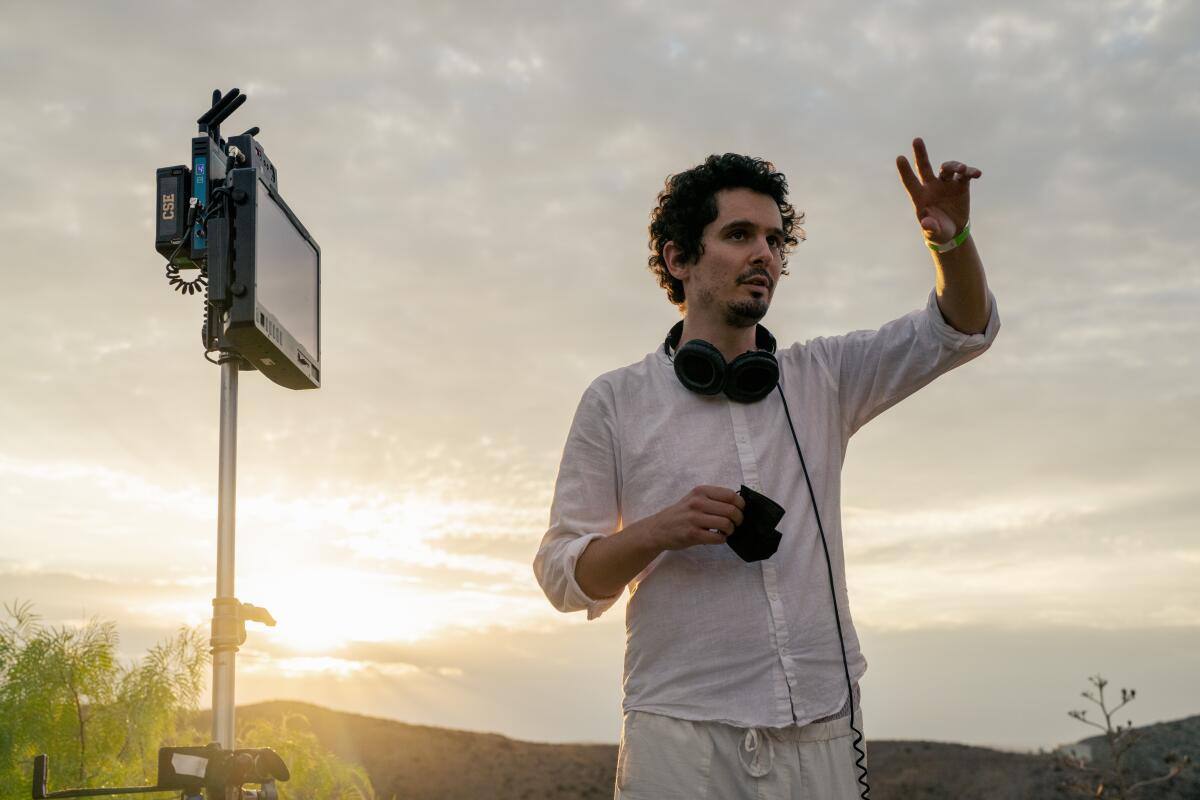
x=731 y=341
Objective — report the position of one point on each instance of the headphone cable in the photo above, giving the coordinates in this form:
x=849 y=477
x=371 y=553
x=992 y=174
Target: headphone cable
x=865 y=791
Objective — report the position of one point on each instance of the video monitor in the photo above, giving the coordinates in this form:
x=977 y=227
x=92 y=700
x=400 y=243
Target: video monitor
x=275 y=315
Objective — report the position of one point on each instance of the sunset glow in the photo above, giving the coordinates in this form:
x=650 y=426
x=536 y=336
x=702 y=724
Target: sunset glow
x=479 y=178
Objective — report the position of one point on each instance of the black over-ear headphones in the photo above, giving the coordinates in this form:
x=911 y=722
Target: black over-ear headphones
x=701 y=368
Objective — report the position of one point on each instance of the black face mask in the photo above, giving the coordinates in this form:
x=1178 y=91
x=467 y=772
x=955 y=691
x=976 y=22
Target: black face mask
x=756 y=538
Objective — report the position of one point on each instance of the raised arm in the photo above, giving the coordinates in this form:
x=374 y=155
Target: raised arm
x=943 y=204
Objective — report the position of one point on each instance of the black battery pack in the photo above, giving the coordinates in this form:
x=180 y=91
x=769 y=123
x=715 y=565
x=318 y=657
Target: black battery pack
x=171 y=213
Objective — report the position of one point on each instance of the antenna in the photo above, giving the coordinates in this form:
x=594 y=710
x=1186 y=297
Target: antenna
x=219 y=105
x=210 y=121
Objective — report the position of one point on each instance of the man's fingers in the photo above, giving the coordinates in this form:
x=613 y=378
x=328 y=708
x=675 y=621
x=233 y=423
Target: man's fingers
x=715 y=523
x=911 y=183
x=710 y=537
x=722 y=495
x=717 y=509
x=921 y=156
x=958 y=171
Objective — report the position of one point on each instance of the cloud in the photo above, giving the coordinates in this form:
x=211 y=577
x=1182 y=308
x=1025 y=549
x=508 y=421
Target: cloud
x=480 y=179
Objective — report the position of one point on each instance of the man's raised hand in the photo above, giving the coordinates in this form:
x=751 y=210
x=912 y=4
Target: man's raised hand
x=942 y=201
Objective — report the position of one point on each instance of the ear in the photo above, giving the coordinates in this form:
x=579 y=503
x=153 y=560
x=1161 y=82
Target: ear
x=672 y=255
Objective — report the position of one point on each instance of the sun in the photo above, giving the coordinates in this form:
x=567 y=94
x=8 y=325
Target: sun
x=363 y=569
x=322 y=609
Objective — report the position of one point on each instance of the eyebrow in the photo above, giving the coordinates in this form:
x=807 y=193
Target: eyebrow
x=745 y=223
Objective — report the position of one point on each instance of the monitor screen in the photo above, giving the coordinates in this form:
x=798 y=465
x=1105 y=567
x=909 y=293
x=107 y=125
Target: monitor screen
x=286 y=273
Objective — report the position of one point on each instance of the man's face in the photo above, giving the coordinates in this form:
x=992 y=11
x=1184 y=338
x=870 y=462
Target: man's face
x=735 y=278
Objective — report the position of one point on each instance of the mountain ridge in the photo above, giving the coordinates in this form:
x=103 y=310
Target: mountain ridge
x=423 y=762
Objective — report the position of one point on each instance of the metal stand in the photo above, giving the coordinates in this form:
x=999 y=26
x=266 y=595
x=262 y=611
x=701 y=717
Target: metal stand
x=216 y=771
x=229 y=614
x=226 y=617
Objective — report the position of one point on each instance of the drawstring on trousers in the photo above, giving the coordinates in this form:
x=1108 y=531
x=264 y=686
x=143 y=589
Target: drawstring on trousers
x=753 y=744
x=755 y=739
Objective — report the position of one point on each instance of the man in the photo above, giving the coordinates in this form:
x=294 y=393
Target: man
x=742 y=663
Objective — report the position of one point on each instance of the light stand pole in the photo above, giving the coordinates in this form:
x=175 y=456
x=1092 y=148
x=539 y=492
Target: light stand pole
x=229 y=614
x=228 y=631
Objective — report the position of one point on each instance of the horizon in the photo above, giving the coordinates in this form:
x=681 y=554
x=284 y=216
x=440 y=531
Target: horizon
x=1033 y=751
x=480 y=181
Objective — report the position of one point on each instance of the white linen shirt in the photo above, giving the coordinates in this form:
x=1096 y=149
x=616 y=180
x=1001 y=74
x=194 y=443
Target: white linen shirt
x=708 y=636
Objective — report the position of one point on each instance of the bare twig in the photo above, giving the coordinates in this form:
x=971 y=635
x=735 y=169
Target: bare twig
x=1120 y=739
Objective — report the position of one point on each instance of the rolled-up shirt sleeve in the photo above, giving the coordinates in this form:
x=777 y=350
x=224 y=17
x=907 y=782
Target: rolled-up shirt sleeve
x=586 y=503
x=877 y=369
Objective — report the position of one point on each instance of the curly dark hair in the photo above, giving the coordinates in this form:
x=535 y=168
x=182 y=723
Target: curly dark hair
x=688 y=203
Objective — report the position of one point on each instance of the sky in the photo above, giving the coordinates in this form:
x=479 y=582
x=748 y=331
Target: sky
x=480 y=178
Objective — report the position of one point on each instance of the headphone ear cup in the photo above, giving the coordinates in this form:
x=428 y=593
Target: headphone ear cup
x=700 y=367
x=752 y=376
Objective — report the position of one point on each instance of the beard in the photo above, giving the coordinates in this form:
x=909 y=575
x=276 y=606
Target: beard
x=745 y=313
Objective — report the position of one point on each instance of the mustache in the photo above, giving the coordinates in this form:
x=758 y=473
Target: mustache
x=746 y=277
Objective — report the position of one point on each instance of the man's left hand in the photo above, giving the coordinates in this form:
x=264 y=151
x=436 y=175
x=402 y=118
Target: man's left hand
x=942 y=201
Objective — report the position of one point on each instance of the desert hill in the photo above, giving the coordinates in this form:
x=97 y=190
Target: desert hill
x=1179 y=737
x=417 y=762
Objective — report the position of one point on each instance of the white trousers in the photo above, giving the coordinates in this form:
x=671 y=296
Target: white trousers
x=662 y=758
